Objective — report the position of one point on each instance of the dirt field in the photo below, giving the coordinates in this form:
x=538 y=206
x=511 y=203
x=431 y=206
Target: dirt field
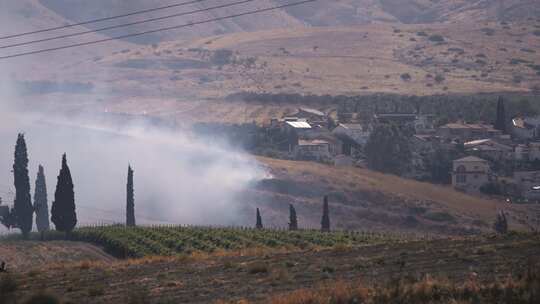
x=205 y=280
x=22 y=255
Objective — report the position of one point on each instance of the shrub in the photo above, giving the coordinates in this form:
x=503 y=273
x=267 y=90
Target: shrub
x=222 y=57
x=42 y=297
x=439 y=78
x=258 y=267
x=406 y=76
x=8 y=284
x=488 y=31
x=439 y=217
x=436 y=38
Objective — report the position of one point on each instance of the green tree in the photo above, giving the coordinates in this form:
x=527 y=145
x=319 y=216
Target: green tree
x=63 y=213
x=41 y=206
x=387 y=150
x=23 y=202
x=500 y=122
x=325 y=221
x=293 y=221
x=130 y=207
x=7 y=216
x=439 y=164
x=259 y=224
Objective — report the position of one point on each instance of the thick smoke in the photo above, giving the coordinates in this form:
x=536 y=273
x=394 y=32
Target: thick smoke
x=179 y=178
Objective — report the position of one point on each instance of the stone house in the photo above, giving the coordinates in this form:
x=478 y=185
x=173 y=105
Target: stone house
x=470 y=173
x=468 y=132
x=312 y=150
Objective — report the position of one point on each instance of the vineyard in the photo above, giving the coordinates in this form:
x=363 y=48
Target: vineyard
x=123 y=242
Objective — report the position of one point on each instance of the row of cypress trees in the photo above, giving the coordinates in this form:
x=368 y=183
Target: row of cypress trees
x=293 y=219
x=63 y=213
x=63 y=210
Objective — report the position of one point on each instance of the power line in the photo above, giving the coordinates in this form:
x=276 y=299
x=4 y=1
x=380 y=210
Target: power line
x=157 y=30
x=103 y=19
x=126 y=24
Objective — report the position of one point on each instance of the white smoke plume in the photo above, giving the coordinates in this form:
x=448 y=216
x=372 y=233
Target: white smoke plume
x=178 y=178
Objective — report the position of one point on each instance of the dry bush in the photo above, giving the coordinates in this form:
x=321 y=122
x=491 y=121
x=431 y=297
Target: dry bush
x=338 y=293
x=42 y=297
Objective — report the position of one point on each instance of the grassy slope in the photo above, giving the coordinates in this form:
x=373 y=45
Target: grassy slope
x=375 y=200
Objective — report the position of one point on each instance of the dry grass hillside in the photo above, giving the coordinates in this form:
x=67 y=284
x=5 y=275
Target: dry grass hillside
x=363 y=199
x=182 y=80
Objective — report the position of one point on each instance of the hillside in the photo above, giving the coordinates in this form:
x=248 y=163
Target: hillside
x=362 y=199
x=187 y=80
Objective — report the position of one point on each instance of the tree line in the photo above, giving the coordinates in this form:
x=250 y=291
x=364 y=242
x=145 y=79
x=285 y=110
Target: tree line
x=63 y=213
x=293 y=219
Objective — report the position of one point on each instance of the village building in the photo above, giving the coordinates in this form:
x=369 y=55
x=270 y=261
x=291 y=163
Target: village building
x=489 y=149
x=468 y=132
x=316 y=149
x=353 y=136
x=312 y=116
x=526 y=128
x=470 y=173
x=527 y=152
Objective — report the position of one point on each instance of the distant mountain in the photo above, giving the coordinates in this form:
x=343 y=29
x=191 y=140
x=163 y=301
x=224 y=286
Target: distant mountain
x=31 y=14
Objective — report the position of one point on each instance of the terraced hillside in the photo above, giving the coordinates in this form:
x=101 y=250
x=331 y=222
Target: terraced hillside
x=256 y=278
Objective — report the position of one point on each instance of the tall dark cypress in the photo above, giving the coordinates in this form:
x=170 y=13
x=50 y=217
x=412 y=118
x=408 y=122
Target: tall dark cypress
x=500 y=122
x=41 y=206
x=293 y=221
x=325 y=222
x=130 y=206
x=259 y=224
x=23 y=202
x=63 y=213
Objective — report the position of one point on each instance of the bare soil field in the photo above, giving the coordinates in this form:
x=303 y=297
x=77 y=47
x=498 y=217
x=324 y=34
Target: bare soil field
x=256 y=278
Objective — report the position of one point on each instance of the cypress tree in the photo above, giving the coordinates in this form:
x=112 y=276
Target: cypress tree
x=293 y=221
x=63 y=213
x=500 y=122
x=259 y=224
x=325 y=222
x=501 y=223
x=41 y=206
x=23 y=202
x=130 y=206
